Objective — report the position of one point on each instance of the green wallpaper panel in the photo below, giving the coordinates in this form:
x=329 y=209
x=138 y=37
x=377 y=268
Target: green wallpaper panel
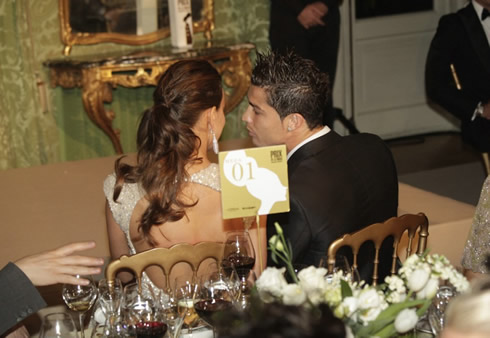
x=30 y=135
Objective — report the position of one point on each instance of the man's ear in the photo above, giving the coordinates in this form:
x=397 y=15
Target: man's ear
x=294 y=121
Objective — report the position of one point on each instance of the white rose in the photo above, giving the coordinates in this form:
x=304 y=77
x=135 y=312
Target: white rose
x=292 y=294
x=312 y=279
x=313 y=282
x=369 y=298
x=271 y=282
x=406 y=320
x=367 y=316
x=429 y=290
x=418 y=279
x=350 y=305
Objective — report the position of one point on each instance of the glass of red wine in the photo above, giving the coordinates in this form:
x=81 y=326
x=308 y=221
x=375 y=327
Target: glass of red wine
x=238 y=253
x=143 y=316
x=215 y=296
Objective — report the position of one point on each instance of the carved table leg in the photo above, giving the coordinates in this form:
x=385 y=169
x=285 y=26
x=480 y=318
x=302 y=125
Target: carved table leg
x=95 y=93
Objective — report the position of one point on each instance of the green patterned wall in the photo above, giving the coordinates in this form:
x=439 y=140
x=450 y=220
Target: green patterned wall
x=29 y=34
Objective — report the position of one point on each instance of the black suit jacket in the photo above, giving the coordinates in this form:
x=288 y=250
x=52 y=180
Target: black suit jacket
x=319 y=43
x=18 y=297
x=337 y=185
x=460 y=40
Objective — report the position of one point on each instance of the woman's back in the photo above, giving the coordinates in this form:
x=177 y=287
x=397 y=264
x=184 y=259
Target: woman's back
x=172 y=194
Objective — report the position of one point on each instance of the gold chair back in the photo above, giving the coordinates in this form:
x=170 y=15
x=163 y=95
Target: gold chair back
x=377 y=233
x=166 y=258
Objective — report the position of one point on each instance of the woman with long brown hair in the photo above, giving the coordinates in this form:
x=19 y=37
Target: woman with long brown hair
x=172 y=194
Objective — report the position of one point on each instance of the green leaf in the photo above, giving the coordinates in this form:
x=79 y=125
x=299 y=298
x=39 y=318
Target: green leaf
x=345 y=289
x=423 y=308
x=290 y=250
x=392 y=310
x=387 y=331
x=274 y=257
x=374 y=326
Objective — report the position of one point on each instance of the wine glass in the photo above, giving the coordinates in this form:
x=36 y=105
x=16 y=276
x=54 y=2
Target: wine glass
x=215 y=296
x=58 y=325
x=438 y=308
x=341 y=264
x=186 y=293
x=110 y=298
x=246 y=282
x=142 y=316
x=80 y=298
x=238 y=254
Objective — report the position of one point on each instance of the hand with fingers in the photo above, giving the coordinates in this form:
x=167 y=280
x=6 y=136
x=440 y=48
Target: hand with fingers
x=312 y=15
x=486 y=111
x=60 y=265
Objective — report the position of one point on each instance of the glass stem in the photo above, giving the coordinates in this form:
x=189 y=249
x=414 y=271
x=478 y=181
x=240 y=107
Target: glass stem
x=82 y=331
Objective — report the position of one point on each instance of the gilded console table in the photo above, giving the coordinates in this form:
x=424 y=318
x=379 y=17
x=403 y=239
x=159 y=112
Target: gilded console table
x=99 y=75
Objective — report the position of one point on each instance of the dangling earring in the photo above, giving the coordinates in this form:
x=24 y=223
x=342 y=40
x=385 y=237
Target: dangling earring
x=215 y=141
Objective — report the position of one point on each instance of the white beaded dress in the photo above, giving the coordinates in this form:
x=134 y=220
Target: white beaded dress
x=477 y=247
x=131 y=193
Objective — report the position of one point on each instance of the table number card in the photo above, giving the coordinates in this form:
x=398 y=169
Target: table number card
x=254 y=181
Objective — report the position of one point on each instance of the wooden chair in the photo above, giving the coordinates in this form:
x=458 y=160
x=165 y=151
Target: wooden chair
x=376 y=233
x=166 y=258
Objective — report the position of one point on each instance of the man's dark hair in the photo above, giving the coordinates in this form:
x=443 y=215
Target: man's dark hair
x=293 y=85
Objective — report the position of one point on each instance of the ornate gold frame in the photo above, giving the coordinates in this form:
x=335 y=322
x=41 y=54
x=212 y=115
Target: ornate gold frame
x=69 y=38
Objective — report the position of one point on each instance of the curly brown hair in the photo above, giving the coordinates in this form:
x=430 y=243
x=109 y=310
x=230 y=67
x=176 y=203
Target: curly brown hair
x=166 y=142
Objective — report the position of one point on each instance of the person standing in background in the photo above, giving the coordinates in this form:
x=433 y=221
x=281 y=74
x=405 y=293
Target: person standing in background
x=312 y=30
x=457 y=71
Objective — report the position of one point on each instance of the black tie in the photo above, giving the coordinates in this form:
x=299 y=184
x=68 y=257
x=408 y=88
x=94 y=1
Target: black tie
x=484 y=14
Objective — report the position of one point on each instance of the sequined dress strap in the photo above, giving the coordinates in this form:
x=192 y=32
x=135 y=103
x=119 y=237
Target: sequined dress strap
x=208 y=177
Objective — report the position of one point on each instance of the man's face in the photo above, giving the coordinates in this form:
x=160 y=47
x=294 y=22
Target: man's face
x=484 y=3
x=263 y=122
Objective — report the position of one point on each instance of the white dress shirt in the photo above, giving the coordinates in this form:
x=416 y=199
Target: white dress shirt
x=485 y=23
x=325 y=130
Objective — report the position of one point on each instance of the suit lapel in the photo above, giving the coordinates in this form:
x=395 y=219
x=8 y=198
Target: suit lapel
x=476 y=34
x=312 y=148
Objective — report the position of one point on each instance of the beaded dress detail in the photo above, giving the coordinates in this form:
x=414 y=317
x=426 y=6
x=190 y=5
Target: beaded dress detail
x=478 y=244
x=131 y=193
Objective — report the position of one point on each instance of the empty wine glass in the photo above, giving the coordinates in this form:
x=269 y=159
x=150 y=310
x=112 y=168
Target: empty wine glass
x=110 y=298
x=58 y=325
x=238 y=254
x=437 y=309
x=341 y=264
x=216 y=295
x=80 y=298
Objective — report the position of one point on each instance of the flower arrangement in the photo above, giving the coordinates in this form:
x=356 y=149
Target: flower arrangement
x=383 y=311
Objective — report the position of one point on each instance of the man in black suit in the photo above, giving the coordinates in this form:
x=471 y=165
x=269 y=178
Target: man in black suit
x=18 y=296
x=462 y=40
x=337 y=184
x=312 y=29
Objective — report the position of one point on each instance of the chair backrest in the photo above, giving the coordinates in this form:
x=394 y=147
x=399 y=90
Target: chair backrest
x=377 y=233
x=166 y=258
